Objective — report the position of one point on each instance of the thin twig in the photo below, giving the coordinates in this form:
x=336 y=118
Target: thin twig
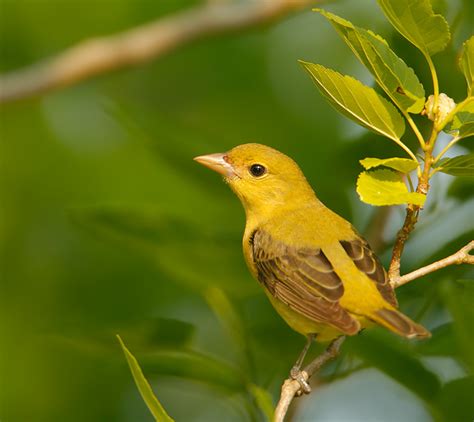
x=99 y=55
x=446 y=148
x=460 y=257
x=291 y=387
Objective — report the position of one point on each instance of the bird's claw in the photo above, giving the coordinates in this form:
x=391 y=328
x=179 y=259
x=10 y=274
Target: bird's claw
x=298 y=375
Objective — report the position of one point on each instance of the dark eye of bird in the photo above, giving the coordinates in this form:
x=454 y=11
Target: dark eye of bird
x=257 y=170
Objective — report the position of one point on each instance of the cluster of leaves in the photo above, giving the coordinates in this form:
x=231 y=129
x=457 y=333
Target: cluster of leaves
x=429 y=32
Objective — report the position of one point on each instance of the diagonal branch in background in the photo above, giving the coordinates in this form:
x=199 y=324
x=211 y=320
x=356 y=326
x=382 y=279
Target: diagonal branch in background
x=99 y=55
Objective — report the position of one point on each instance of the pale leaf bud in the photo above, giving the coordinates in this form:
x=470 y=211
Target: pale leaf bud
x=445 y=106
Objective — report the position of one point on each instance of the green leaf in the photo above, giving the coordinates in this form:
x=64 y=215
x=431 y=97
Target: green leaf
x=146 y=392
x=459 y=297
x=386 y=187
x=390 y=71
x=455 y=400
x=357 y=101
x=462 y=165
x=227 y=314
x=396 y=359
x=440 y=6
x=196 y=366
x=415 y=20
x=153 y=333
x=403 y=165
x=169 y=240
x=466 y=62
x=263 y=399
x=441 y=343
x=462 y=123
x=146 y=335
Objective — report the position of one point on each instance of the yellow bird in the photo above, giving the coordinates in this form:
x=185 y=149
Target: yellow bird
x=318 y=272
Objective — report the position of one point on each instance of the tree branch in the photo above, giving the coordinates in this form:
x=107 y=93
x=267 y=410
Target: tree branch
x=292 y=388
x=402 y=236
x=99 y=55
x=412 y=210
x=460 y=257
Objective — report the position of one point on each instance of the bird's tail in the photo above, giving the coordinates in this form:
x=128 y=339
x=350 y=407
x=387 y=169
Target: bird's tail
x=400 y=324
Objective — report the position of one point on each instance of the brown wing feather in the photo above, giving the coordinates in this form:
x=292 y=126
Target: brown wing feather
x=366 y=261
x=303 y=279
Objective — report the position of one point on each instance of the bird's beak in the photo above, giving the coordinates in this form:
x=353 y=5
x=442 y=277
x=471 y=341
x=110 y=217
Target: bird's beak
x=217 y=162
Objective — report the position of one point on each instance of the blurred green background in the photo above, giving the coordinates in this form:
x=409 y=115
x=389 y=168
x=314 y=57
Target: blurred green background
x=108 y=226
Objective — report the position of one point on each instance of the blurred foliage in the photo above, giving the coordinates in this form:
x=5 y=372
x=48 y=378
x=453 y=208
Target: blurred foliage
x=108 y=226
x=462 y=165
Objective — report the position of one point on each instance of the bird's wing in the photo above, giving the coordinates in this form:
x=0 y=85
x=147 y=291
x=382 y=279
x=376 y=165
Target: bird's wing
x=303 y=279
x=367 y=262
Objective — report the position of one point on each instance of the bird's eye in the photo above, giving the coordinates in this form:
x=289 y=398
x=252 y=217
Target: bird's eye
x=257 y=170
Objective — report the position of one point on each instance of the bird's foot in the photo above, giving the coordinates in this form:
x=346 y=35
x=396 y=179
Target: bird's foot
x=301 y=376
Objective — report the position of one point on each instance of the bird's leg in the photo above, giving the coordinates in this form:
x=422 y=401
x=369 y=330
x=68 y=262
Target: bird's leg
x=299 y=362
x=296 y=372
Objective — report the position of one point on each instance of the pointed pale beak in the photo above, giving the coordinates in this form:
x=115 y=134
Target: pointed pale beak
x=217 y=162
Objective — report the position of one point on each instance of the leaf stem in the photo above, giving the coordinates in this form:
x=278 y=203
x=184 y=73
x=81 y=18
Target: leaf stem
x=434 y=76
x=406 y=149
x=434 y=171
x=431 y=142
x=410 y=183
x=446 y=148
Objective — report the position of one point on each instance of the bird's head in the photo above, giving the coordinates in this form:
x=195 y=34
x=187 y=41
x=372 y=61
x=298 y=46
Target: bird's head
x=262 y=177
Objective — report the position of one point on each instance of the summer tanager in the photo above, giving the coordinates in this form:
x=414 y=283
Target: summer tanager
x=318 y=272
